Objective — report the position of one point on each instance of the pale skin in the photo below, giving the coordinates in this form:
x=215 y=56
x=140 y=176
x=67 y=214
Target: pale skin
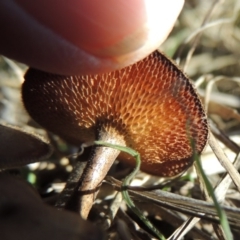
x=88 y=38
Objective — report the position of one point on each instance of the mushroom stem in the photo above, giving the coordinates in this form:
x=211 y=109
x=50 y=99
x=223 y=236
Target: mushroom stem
x=95 y=171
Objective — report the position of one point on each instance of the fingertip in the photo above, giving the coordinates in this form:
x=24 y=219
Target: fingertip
x=75 y=37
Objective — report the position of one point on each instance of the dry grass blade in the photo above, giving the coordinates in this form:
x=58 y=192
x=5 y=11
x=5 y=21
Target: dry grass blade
x=222 y=137
x=181 y=231
x=113 y=209
x=224 y=183
x=220 y=193
x=197 y=38
x=223 y=111
x=225 y=161
x=189 y=206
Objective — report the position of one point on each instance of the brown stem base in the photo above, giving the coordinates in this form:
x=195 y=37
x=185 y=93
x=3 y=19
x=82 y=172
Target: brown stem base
x=95 y=171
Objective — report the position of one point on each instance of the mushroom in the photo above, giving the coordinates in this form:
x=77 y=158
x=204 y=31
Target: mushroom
x=150 y=106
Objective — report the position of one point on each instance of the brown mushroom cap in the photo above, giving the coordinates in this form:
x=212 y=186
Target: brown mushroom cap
x=151 y=103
